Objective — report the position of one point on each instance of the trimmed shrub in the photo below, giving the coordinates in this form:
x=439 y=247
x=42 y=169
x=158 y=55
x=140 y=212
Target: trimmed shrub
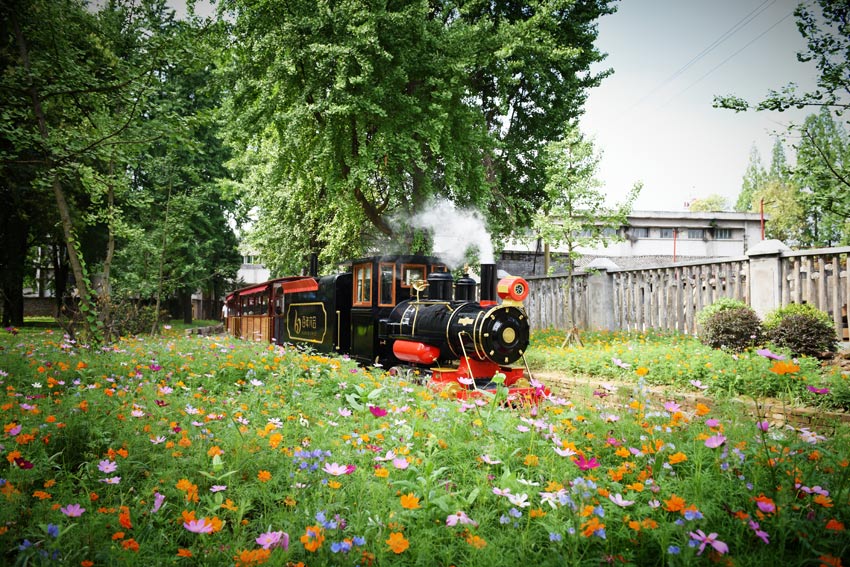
x=734 y=329
x=721 y=304
x=802 y=328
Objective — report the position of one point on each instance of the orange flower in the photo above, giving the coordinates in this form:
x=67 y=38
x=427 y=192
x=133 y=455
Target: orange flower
x=81 y=365
x=674 y=504
x=835 y=525
x=118 y=535
x=537 y=513
x=130 y=545
x=229 y=505
x=397 y=542
x=782 y=367
x=86 y=563
x=264 y=476
x=531 y=460
x=124 y=518
x=183 y=552
x=42 y=495
x=214 y=450
x=829 y=561
x=381 y=472
x=476 y=541
x=677 y=458
x=409 y=501
x=703 y=409
x=641 y=370
x=824 y=501
x=592 y=526
x=252 y=557
x=313 y=538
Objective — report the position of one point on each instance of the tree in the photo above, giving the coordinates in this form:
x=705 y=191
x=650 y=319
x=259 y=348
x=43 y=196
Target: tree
x=371 y=111
x=822 y=156
x=575 y=214
x=754 y=177
x=712 y=203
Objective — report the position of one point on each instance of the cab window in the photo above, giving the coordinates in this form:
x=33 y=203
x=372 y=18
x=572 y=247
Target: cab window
x=411 y=273
x=387 y=285
x=363 y=284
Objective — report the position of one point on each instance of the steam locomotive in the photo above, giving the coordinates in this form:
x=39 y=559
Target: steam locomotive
x=404 y=312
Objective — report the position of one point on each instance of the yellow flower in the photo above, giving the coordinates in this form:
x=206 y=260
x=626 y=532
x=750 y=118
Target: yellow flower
x=476 y=541
x=381 y=472
x=531 y=460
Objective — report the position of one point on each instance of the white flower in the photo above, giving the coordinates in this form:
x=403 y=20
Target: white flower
x=520 y=500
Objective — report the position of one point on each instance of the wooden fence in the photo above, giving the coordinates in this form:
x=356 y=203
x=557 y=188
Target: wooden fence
x=669 y=297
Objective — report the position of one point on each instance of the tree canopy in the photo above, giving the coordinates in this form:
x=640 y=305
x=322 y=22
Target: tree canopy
x=371 y=110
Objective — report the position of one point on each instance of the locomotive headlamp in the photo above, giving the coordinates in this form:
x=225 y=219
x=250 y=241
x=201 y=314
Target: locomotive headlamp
x=512 y=290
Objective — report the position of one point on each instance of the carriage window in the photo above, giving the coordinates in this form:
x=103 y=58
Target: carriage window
x=363 y=284
x=387 y=285
x=411 y=273
x=439 y=268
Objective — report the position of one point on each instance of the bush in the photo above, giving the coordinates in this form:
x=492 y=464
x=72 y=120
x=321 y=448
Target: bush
x=722 y=304
x=133 y=318
x=734 y=329
x=801 y=328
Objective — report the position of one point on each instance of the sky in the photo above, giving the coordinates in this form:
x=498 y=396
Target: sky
x=653 y=119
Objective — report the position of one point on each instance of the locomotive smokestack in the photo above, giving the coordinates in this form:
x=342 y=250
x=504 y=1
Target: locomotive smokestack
x=314 y=265
x=488 y=284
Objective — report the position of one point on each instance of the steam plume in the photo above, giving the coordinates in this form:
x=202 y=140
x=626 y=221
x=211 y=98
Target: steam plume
x=455 y=231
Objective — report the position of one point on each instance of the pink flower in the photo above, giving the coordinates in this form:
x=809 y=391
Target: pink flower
x=620 y=501
x=767 y=354
x=202 y=526
x=672 y=407
x=107 y=466
x=377 y=412
x=761 y=534
x=73 y=510
x=400 y=463
x=715 y=441
x=817 y=390
x=763 y=425
x=15 y=430
x=710 y=539
x=564 y=452
x=335 y=469
x=459 y=517
x=490 y=460
x=585 y=464
x=271 y=540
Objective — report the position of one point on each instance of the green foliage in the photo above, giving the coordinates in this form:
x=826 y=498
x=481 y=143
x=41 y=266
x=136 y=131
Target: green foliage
x=734 y=329
x=709 y=204
x=721 y=304
x=131 y=317
x=373 y=110
x=802 y=328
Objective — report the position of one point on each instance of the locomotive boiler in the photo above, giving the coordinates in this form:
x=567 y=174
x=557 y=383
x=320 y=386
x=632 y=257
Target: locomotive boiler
x=406 y=313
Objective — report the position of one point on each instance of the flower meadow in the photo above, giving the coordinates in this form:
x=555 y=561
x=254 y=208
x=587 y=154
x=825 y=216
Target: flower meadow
x=206 y=450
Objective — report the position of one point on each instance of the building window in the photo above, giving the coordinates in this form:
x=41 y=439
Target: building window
x=387 y=284
x=667 y=232
x=723 y=234
x=363 y=284
x=639 y=232
x=696 y=233
x=250 y=259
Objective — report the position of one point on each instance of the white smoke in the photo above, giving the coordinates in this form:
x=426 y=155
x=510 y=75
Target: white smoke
x=455 y=231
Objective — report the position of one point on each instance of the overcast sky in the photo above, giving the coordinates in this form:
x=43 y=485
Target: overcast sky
x=653 y=119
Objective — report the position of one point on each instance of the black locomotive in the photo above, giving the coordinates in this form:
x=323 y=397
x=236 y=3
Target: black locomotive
x=406 y=313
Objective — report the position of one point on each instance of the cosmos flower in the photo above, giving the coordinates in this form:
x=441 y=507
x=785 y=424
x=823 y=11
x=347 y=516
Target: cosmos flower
x=620 y=501
x=202 y=526
x=768 y=354
x=377 y=412
x=715 y=441
x=490 y=460
x=460 y=517
x=335 y=469
x=585 y=464
x=72 y=510
x=710 y=539
x=271 y=540
x=107 y=466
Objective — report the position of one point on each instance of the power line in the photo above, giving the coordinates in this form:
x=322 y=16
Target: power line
x=713 y=69
x=755 y=12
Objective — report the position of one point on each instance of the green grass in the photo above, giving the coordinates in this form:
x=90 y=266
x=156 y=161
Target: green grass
x=158 y=439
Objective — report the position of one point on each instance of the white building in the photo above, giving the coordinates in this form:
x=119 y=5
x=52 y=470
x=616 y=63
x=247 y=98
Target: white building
x=651 y=238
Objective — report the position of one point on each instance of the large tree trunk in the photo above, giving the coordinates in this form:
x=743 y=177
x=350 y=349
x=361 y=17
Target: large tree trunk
x=13 y=264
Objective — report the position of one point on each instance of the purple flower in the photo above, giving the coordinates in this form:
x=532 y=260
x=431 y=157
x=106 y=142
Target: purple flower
x=761 y=534
x=107 y=466
x=715 y=441
x=218 y=487
x=767 y=354
x=672 y=407
x=73 y=510
x=817 y=390
x=698 y=384
x=158 y=500
x=763 y=425
x=710 y=539
x=712 y=422
x=53 y=530
x=271 y=540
